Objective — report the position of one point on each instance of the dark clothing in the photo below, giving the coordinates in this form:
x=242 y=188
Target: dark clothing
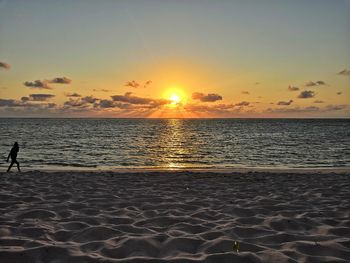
x=13 y=152
x=13 y=155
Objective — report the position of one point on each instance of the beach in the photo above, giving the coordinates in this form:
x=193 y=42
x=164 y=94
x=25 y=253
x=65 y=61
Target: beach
x=175 y=216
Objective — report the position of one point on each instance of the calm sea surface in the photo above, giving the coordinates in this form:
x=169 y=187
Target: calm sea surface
x=176 y=143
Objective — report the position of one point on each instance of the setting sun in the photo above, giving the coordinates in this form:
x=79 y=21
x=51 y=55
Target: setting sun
x=175 y=99
x=175 y=95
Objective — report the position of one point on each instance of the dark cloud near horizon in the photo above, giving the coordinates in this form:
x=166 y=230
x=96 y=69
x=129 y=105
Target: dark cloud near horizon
x=339 y=93
x=245 y=92
x=5 y=65
x=37 y=97
x=89 y=99
x=315 y=83
x=306 y=94
x=318 y=101
x=76 y=95
x=285 y=103
x=242 y=104
x=336 y=107
x=292 y=88
x=60 y=80
x=344 y=72
x=103 y=90
x=40 y=97
x=37 y=84
x=129 y=98
x=211 y=97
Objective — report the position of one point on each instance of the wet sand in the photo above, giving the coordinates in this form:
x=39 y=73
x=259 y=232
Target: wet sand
x=185 y=216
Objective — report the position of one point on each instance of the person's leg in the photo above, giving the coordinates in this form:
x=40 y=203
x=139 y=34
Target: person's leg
x=12 y=162
x=18 y=165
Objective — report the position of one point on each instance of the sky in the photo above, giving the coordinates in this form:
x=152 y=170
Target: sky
x=175 y=58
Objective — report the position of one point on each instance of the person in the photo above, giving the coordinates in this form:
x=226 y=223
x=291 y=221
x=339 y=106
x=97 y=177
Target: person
x=13 y=154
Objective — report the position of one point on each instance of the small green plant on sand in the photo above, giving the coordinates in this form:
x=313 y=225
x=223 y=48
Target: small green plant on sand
x=236 y=246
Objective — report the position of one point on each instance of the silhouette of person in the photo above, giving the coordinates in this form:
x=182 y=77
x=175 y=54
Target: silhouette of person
x=13 y=154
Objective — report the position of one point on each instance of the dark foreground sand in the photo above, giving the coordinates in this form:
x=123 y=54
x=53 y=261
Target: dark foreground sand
x=174 y=217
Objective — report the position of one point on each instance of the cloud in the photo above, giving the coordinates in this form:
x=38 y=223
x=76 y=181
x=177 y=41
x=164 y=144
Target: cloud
x=76 y=95
x=285 y=103
x=89 y=99
x=61 y=80
x=37 y=84
x=9 y=103
x=293 y=110
x=211 y=97
x=243 y=103
x=84 y=102
x=336 y=107
x=5 y=65
x=132 y=84
x=39 y=97
x=44 y=84
x=316 y=83
x=292 y=88
x=135 y=84
x=339 y=93
x=318 y=101
x=306 y=94
x=129 y=98
x=75 y=103
x=106 y=104
x=344 y=72
x=245 y=92
x=217 y=108
x=103 y=90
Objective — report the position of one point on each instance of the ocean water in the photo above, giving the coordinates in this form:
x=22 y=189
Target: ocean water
x=177 y=143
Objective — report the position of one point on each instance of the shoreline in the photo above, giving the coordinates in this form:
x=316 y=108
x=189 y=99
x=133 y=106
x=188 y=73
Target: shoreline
x=280 y=170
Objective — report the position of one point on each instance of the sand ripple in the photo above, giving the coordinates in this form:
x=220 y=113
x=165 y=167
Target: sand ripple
x=174 y=217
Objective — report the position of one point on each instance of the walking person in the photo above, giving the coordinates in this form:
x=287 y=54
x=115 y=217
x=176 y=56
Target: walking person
x=13 y=155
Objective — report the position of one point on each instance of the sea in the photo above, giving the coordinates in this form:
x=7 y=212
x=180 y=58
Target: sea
x=176 y=143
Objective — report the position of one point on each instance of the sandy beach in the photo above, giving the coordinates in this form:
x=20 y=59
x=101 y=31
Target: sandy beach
x=185 y=216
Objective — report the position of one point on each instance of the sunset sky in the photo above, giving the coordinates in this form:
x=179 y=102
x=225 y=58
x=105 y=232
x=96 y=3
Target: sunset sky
x=162 y=58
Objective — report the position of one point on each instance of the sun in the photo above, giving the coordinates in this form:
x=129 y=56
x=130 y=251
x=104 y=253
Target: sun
x=175 y=99
x=175 y=95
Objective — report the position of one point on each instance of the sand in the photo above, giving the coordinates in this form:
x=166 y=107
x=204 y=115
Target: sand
x=101 y=216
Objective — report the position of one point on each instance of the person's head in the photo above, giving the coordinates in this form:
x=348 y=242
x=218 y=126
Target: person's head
x=15 y=144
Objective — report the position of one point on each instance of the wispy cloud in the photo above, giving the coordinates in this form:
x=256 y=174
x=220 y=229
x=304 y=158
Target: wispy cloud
x=336 y=107
x=211 y=97
x=292 y=88
x=76 y=95
x=242 y=104
x=306 y=94
x=135 y=84
x=103 y=90
x=5 y=65
x=285 y=103
x=344 y=72
x=315 y=83
x=318 y=101
x=245 y=92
